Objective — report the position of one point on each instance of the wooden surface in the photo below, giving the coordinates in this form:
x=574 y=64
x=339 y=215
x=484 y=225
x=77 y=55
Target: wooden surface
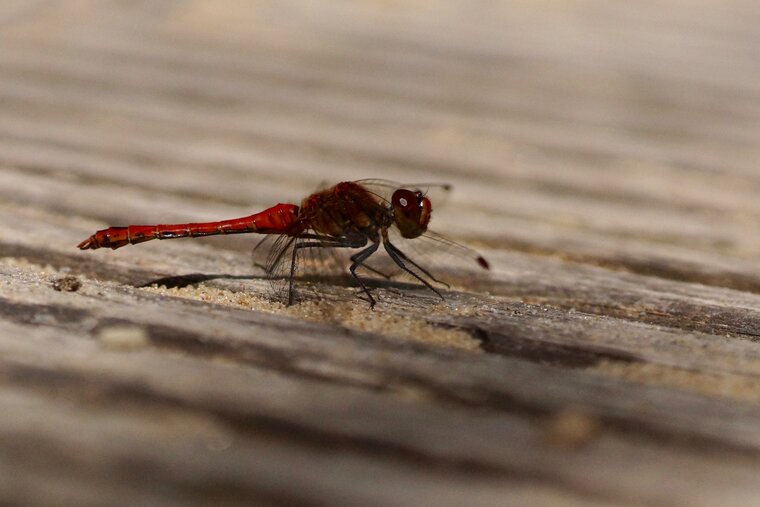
x=604 y=157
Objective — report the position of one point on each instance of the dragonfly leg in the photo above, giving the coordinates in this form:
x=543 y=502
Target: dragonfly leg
x=373 y=270
x=357 y=256
x=399 y=257
x=358 y=260
x=351 y=241
x=410 y=261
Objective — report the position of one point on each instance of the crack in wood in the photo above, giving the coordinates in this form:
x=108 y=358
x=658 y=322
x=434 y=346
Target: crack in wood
x=514 y=341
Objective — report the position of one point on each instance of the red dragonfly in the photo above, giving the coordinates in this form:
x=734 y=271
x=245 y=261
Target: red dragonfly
x=361 y=214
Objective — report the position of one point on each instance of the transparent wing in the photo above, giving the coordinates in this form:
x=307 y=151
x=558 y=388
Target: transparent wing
x=433 y=257
x=273 y=255
x=438 y=193
x=327 y=264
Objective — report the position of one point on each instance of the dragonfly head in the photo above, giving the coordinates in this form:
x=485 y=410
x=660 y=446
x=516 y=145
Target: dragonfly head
x=411 y=212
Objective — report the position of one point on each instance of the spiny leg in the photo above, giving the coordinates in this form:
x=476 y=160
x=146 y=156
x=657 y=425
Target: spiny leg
x=376 y=271
x=358 y=260
x=396 y=255
x=410 y=261
x=370 y=268
x=353 y=241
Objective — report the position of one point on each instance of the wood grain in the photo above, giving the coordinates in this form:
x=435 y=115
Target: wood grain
x=603 y=157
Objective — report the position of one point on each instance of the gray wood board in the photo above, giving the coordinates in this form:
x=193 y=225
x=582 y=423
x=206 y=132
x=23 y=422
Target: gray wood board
x=603 y=158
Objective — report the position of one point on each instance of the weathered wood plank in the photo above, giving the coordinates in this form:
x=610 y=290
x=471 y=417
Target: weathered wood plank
x=117 y=376
x=603 y=157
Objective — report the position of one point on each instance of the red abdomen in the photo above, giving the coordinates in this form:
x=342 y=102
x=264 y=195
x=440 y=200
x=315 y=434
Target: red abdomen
x=280 y=219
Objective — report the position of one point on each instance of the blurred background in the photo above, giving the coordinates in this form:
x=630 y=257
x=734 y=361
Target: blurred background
x=562 y=124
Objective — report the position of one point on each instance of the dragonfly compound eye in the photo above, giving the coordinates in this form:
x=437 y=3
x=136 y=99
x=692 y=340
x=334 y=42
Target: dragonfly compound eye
x=411 y=212
x=405 y=200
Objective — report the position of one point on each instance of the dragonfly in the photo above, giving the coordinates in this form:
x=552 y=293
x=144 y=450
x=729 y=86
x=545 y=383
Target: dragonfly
x=350 y=216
